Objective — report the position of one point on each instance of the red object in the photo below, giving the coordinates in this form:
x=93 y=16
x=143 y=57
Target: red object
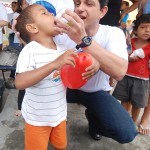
x=72 y=77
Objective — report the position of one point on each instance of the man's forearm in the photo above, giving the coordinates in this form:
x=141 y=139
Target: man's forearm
x=3 y=23
x=111 y=64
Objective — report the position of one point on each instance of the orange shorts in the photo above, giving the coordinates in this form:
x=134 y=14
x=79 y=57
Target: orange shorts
x=37 y=137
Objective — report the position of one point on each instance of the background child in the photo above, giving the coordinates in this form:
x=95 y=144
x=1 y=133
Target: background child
x=134 y=86
x=44 y=105
x=124 y=6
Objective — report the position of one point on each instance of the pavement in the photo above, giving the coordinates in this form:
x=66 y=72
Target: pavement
x=12 y=130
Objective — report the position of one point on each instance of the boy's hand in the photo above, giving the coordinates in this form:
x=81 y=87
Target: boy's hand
x=91 y=70
x=135 y=58
x=66 y=58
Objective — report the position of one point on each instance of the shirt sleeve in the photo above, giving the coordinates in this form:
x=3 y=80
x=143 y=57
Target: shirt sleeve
x=25 y=60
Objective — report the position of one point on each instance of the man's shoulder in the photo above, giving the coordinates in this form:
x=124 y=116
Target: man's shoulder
x=106 y=29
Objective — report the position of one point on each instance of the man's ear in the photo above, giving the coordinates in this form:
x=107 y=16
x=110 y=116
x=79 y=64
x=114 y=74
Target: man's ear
x=32 y=28
x=103 y=11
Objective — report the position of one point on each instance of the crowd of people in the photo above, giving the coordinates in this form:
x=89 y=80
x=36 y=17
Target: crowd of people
x=48 y=40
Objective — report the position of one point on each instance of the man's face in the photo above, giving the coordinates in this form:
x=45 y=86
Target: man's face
x=89 y=11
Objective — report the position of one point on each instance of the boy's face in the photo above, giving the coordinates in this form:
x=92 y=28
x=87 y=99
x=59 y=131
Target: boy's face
x=43 y=20
x=14 y=7
x=143 y=31
x=89 y=11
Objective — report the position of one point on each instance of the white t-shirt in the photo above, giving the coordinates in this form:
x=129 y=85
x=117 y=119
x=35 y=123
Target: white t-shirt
x=10 y=19
x=3 y=16
x=113 y=40
x=44 y=104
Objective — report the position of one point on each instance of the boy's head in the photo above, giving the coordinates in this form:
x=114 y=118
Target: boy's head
x=124 y=5
x=35 y=22
x=145 y=18
x=142 y=25
x=14 y=6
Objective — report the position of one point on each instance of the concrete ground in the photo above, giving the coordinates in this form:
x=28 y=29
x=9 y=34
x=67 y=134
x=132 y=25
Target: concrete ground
x=12 y=133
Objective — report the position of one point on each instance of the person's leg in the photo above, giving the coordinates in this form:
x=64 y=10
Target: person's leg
x=113 y=120
x=143 y=128
x=36 y=137
x=11 y=39
x=58 y=136
x=20 y=99
x=127 y=106
x=135 y=113
x=12 y=74
x=0 y=47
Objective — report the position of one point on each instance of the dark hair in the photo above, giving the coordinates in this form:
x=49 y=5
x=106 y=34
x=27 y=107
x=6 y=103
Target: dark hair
x=145 y=18
x=14 y=3
x=20 y=2
x=23 y=19
x=126 y=3
x=103 y=3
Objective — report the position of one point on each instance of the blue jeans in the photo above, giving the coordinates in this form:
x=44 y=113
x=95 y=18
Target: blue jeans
x=11 y=39
x=106 y=115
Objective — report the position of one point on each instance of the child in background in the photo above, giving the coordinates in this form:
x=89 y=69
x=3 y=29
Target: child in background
x=133 y=88
x=44 y=105
x=23 y=4
x=10 y=18
x=17 y=45
x=124 y=6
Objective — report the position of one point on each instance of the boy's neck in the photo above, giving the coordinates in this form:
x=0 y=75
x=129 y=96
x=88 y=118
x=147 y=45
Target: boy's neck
x=47 y=42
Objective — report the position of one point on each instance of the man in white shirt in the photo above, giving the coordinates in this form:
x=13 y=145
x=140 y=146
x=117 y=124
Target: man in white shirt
x=105 y=114
x=3 y=22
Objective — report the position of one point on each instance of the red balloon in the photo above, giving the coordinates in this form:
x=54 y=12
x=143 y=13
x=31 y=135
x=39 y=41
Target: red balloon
x=72 y=77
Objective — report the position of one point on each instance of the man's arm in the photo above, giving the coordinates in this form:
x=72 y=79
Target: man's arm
x=110 y=63
x=130 y=9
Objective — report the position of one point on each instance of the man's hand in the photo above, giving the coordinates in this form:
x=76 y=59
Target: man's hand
x=74 y=28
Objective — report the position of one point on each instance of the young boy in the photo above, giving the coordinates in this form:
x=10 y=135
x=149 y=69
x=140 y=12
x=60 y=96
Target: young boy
x=134 y=86
x=44 y=105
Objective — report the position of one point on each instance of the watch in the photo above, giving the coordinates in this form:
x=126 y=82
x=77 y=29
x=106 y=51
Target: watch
x=86 y=41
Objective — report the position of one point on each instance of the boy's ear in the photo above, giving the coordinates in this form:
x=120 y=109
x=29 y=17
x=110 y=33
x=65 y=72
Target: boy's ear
x=103 y=11
x=32 y=28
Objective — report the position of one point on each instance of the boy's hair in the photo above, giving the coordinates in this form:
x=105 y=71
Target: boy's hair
x=103 y=3
x=126 y=3
x=23 y=19
x=145 y=18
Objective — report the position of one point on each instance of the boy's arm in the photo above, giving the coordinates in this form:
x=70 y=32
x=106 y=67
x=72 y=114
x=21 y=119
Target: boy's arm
x=29 y=78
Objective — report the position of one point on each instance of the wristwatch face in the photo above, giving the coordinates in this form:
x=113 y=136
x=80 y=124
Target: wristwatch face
x=87 y=40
